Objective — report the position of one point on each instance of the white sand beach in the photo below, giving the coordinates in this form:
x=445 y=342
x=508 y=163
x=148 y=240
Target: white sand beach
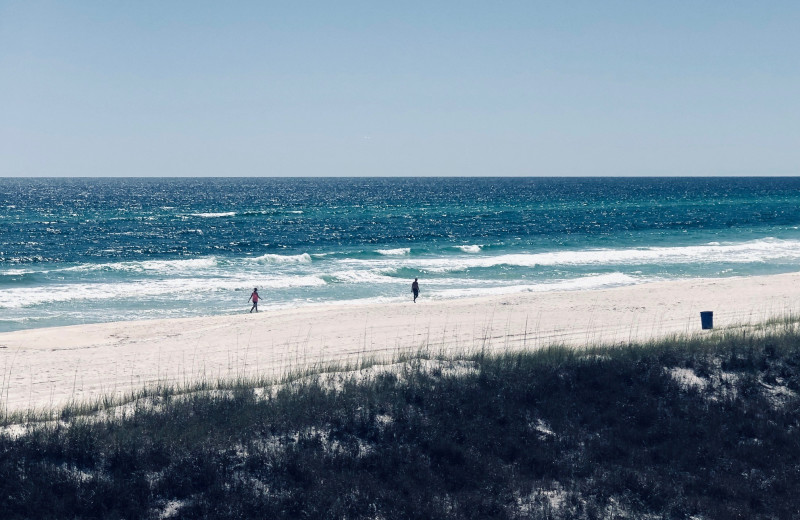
x=44 y=368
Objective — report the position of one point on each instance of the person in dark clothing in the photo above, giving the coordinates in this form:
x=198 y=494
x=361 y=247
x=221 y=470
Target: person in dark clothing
x=415 y=289
x=254 y=298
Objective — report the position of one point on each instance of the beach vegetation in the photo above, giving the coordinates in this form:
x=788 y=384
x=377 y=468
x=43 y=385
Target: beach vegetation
x=703 y=427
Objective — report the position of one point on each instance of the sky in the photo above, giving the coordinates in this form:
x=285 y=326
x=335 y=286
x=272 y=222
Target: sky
x=378 y=88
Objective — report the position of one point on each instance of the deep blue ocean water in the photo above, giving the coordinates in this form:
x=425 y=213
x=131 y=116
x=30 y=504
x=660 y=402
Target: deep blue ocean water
x=90 y=250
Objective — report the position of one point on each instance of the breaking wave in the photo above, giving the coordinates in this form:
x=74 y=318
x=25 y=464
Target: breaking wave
x=214 y=215
x=303 y=258
x=470 y=249
x=400 y=251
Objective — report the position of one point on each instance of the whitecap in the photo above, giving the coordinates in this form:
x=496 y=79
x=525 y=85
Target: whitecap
x=400 y=251
x=303 y=258
x=17 y=272
x=214 y=215
x=470 y=248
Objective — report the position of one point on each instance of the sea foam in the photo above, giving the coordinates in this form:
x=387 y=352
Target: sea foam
x=163 y=266
x=177 y=289
x=573 y=284
x=762 y=250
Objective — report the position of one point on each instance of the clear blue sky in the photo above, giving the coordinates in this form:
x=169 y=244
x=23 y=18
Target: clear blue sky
x=374 y=88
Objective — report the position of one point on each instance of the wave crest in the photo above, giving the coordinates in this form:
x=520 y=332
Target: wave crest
x=303 y=258
x=214 y=215
x=474 y=248
x=400 y=251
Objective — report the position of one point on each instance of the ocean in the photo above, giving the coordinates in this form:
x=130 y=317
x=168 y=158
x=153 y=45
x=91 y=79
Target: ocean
x=86 y=250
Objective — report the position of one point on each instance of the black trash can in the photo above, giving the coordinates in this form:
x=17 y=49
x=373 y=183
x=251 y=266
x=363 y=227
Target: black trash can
x=707 y=319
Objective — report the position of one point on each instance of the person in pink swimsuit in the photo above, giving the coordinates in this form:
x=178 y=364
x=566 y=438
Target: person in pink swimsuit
x=254 y=297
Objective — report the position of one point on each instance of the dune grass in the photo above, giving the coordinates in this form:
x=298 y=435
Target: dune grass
x=703 y=427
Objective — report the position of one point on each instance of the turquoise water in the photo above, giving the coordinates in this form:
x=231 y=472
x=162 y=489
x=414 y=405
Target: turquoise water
x=91 y=250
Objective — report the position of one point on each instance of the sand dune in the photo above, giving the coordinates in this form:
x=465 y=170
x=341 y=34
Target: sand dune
x=43 y=368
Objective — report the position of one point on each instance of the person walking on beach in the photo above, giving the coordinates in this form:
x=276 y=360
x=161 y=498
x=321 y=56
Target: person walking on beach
x=415 y=289
x=254 y=297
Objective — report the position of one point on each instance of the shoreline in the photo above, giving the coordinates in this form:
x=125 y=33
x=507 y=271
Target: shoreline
x=47 y=368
